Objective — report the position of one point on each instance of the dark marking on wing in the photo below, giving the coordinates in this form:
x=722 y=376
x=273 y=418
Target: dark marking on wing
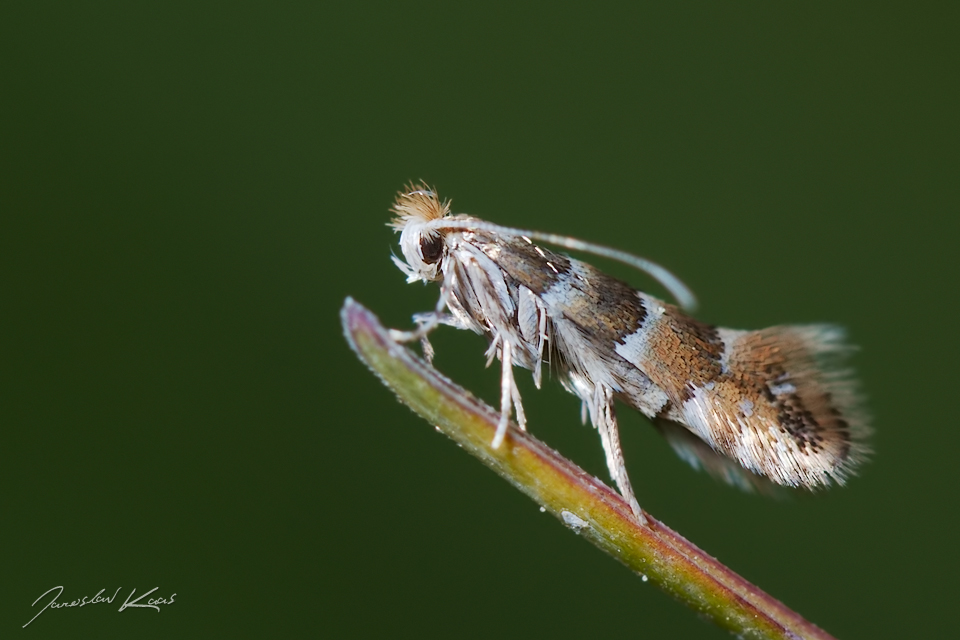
x=536 y=270
x=602 y=306
x=775 y=365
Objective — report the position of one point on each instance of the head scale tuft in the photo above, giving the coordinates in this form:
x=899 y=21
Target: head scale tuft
x=423 y=248
x=417 y=202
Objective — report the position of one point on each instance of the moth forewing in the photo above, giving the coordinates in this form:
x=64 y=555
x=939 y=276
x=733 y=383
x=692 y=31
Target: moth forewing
x=773 y=402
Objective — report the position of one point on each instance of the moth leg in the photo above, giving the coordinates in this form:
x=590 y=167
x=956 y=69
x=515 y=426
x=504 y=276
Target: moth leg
x=491 y=351
x=436 y=319
x=427 y=322
x=605 y=419
x=541 y=342
x=508 y=394
x=518 y=407
x=531 y=320
x=427 y=349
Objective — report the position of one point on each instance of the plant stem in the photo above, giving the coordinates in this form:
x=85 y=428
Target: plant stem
x=580 y=501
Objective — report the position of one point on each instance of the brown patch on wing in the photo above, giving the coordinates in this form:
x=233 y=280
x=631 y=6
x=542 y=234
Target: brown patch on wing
x=683 y=354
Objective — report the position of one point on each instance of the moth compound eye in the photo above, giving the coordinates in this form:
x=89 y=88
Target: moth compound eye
x=431 y=249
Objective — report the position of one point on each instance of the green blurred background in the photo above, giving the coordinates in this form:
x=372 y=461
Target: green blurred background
x=189 y=191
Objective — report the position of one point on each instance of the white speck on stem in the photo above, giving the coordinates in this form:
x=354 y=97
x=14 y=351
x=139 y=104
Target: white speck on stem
x=573 y=521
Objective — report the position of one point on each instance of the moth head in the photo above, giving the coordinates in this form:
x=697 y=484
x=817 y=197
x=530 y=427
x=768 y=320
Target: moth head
x=423 y=246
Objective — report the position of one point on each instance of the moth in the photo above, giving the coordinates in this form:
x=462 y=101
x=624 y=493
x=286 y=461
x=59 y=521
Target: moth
x=750 y=407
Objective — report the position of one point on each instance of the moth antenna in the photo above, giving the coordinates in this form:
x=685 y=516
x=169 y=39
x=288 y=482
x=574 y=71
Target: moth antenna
x=681 y=292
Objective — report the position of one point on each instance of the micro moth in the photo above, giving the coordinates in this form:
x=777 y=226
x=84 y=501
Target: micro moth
x=747 y=406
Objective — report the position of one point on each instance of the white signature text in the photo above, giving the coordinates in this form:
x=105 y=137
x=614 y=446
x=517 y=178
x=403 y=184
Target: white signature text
x=129 y=603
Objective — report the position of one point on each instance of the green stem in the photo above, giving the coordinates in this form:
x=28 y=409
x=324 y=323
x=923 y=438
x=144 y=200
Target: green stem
x=579 y=500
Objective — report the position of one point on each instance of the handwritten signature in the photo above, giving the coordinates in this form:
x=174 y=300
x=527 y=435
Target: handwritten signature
x=152 y=603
